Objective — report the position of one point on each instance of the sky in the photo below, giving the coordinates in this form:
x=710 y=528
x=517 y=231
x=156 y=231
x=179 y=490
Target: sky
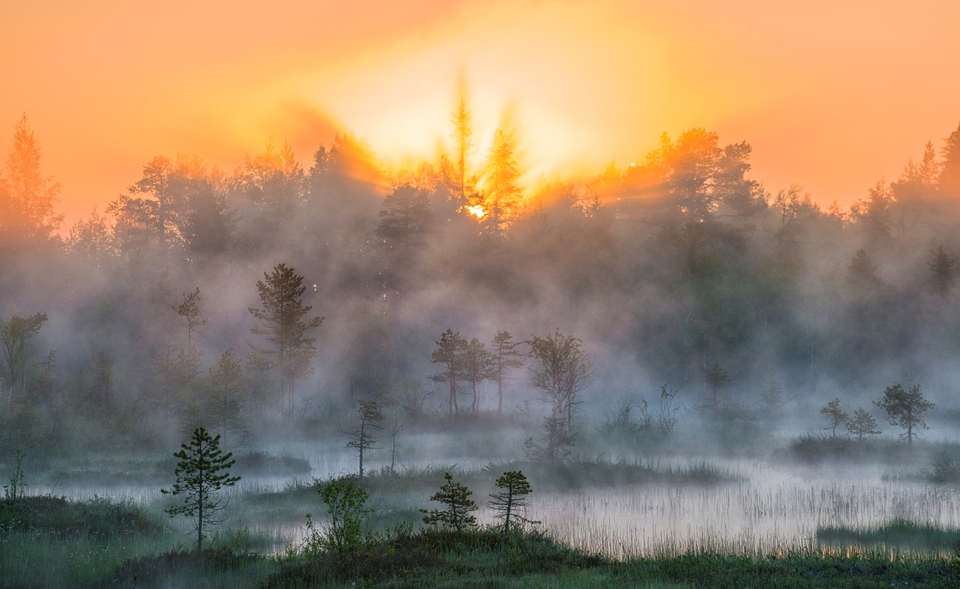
x=832 y=95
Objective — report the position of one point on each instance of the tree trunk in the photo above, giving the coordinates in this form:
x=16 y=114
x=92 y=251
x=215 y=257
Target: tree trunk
x=200 y=520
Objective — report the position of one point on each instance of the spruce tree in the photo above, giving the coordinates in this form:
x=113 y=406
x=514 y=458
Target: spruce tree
x=283 y=320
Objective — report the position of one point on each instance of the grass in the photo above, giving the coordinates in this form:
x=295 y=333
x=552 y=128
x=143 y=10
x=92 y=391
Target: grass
x=821 y=449
x=899 y=534
x=485 y=558
x=97 y=519
x=565 y=476
x=53 y=542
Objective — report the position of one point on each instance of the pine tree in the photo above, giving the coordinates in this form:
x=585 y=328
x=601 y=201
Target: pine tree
x=225 y=385
x=457 y=515
x=862 y=424
x=26 y=197
x=462 y=145
x=202 y=471
x=477 y=366
x=943 y=270
x=282 y=320
x=835 y=416
x=191 y=311
x=449 y=353
x=362 y=437
x=948 y=180
x=501 y=187
x=504 y=356
x=511 y=499
x=905 y=408
x=717 y=379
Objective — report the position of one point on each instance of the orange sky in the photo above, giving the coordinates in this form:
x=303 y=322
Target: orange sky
x=830 y=97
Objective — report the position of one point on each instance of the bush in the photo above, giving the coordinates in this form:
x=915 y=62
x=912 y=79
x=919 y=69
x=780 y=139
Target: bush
x=347 y=506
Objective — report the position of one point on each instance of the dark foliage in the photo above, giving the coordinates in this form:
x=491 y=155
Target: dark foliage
x=96 y=519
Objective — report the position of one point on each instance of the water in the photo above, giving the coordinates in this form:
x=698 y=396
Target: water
x=770 y=510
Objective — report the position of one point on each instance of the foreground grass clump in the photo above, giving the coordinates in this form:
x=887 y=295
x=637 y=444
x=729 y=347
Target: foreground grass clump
x=53 y=542
x=225 y=567
x=435 y=558
x=95 y=519
x=489 y=558
x=808 y=570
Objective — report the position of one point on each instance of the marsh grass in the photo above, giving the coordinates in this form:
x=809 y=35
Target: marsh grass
x=822 y=449
x=53 y=542
x=898 y=534
x=485 y=558
x=581 y=474
x=624 y=522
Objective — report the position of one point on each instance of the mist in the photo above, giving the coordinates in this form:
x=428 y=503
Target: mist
x=705 y=316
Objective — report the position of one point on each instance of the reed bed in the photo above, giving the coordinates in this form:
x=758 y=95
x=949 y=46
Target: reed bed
x=767 y=514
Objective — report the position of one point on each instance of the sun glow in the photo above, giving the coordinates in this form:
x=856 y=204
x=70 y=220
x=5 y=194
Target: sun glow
x=476 y=210
x=587 y=83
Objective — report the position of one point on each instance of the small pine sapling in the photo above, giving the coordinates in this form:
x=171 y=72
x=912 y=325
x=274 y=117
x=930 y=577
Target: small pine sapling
x=201 y=474
x=511 y=499
x=835 y=416
x=457 y=515
x=862 y=424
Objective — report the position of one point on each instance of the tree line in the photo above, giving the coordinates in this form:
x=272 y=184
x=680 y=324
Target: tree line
x=680 y=260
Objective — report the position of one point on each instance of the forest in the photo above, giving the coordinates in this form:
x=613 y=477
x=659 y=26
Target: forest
x=147 y=312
